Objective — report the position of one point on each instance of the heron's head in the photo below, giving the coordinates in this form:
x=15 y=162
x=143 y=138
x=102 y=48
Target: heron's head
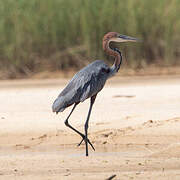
x=116 y=37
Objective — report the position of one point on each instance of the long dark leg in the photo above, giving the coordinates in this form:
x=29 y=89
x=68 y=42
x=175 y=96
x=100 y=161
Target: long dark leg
x=68 y=125
x=87 y=121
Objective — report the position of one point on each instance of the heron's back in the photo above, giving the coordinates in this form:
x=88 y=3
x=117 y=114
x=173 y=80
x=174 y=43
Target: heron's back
x=86 y=83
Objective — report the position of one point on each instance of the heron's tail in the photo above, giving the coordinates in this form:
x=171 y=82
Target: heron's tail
x=58 y=105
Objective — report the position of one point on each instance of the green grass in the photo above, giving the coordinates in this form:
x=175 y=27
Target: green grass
x=35 y=35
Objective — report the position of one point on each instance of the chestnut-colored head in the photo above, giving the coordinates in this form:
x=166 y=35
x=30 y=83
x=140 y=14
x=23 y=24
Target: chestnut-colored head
x=116 y=37
x=110 y=35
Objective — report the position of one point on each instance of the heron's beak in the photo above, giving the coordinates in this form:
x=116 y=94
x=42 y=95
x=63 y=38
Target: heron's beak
x=124 y=38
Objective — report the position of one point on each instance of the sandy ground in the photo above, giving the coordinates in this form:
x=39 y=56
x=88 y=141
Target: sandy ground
x=135 y=128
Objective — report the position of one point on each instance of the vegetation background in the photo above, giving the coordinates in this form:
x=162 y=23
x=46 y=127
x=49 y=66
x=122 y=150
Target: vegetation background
x=63 y=34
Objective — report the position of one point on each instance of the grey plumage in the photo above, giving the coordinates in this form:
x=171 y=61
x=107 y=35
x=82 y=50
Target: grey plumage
x=88 y=82
x=85 y=83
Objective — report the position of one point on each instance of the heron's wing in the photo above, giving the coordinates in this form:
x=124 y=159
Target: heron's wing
x=76 y=90
x=89 y=81
x=84 y=84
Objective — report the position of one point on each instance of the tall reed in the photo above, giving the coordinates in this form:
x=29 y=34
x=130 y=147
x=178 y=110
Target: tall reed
x=58 y=34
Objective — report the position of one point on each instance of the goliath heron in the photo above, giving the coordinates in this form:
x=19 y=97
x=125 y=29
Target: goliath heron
x=89 y=81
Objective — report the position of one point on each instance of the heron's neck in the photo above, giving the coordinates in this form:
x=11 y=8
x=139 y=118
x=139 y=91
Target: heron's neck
x=115 y=53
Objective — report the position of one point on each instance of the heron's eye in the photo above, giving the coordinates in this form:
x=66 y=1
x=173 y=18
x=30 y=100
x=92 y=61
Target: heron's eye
x=105 y=70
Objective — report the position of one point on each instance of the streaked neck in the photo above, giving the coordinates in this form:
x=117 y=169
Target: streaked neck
x=113 y=52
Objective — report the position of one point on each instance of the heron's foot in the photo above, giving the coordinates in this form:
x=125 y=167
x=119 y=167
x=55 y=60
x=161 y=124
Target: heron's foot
x=83 y=139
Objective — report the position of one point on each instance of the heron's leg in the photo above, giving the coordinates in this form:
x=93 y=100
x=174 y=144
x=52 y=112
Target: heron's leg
x=68 y=125
x=87 y=122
